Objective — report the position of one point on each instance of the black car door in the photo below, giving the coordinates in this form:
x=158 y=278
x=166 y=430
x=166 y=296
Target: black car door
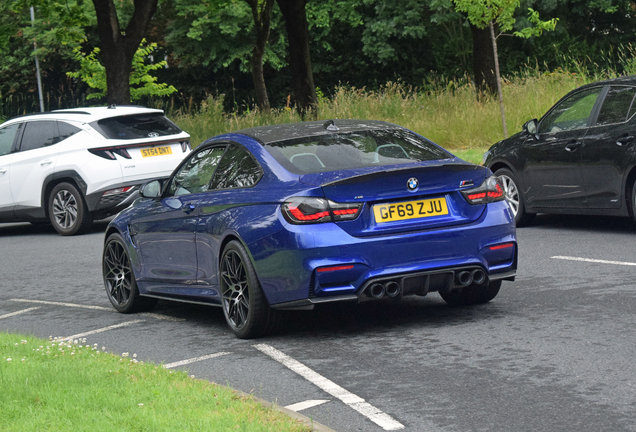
x=552 y=175
x=165 y=235
x=608 y=148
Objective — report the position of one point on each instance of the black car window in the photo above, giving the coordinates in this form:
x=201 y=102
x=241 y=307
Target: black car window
x=66 y=130
x=572 y=113
x=194 y=176
x=238 y=169
x=38 y=134
x=333 y=152
x=616 y=105
x=7 y=136
x=136 y=126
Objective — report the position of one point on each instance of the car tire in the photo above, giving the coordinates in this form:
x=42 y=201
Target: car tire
x=119 y=279
x=245 y=308
x=514 y=197
x=67 y=210
x=472 y=294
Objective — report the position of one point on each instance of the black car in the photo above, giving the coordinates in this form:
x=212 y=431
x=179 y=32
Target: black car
x=579 y=158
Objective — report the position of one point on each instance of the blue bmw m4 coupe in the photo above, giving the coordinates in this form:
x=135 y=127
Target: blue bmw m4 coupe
x=289 y=216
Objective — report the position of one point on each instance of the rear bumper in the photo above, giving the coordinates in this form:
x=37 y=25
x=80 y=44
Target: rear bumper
x=320 y=263
x=103 y=206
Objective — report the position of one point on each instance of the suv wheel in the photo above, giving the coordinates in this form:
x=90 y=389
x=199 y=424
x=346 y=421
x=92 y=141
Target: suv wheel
x=67 y=210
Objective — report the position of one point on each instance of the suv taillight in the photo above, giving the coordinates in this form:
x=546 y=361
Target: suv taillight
x=489 y=191
x=308 y=210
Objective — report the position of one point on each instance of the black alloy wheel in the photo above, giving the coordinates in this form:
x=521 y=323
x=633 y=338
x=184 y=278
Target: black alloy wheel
x=472 y=294
x=67 y=210
x=119 y=279
x=244 y=305
x=514 y=197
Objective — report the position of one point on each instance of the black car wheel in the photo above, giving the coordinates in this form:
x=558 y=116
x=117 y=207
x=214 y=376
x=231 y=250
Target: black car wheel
x=514 y=198
x=244 y=305
x=472 y=294
x=119 y=279
x=67 y=210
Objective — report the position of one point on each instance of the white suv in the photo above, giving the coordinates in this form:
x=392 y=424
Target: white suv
x=71 y=167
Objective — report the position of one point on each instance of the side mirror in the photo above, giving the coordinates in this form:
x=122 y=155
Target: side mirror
x=531 y=127
x=151 y=189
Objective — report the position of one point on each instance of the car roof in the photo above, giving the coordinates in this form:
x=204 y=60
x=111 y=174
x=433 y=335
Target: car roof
x=626 y=80
x=89 y=114
x=282 y=132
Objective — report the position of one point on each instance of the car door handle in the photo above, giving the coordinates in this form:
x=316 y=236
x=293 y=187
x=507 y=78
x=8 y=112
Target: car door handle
x=624 y=141
x=46 y=162
x=188 y=208
x=572 y=146
x=3 y=170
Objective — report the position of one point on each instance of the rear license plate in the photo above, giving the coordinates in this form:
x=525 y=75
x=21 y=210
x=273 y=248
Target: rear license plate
x=156 y=151
x=410 y=210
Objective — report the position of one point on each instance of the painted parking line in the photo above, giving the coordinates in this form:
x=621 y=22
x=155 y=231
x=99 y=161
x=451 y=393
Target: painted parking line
x=194 y=360
x=107 y=309
x=73 y=305
x=380 y=418
x=101 y=330
x=306 y=404
x=18 y=312
x=569 y=258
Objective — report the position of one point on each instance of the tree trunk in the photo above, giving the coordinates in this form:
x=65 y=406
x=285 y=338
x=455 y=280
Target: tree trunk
x=501 y=103
x=118 y=47
x=483 y=61
x=262 y=20
x=299 y=59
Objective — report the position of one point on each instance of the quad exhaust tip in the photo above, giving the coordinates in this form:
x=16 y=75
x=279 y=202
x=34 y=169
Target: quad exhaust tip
x=391 y=289
x=377 y=290
x=463 y=278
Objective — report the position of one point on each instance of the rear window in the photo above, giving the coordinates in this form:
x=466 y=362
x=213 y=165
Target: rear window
x=354 y=150
x=136 y=126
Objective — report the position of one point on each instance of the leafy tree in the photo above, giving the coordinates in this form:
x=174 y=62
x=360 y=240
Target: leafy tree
x=141 y=82
x=295 y=17
x=221 y=32
x=118 y=46
x=490 y=13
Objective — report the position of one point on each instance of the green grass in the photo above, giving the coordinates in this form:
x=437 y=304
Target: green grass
x=63 y=386
x=446 y=111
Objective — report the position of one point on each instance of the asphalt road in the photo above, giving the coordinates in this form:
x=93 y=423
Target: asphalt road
x=555 y=351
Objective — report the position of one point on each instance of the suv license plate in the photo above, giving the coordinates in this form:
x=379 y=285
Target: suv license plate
x=410 y=210
x=156 y=151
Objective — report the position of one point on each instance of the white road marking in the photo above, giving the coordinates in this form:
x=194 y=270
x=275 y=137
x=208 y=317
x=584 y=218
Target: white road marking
x=380 y=418
x=162 y=317
x=194 y=360
x=103 y=329
x=594 y=260
x=74 y=305
x=306 y=404
x=62 y=304
x=18 y=312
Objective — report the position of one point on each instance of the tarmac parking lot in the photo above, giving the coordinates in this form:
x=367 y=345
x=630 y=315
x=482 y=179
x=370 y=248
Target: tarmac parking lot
x=553 y=352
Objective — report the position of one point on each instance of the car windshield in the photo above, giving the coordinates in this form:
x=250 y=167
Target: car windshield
x=336 y=152
x=136 y=126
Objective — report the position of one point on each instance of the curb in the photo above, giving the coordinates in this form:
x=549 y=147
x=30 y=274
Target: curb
x=314 y=425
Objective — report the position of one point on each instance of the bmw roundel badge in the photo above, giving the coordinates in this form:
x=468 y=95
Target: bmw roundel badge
x=412 y=184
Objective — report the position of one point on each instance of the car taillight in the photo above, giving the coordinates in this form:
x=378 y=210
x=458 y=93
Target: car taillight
x=118 y=191
x=307 y=210
x=106 y=154
x=489 y=191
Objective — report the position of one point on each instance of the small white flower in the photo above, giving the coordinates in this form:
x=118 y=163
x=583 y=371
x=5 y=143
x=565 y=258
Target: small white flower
x=134 y=355
x=9 y=359
x=141 y=404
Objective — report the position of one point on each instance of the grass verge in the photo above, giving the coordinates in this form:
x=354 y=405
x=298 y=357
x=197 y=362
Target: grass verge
x=51 y=385
x=447 y=112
